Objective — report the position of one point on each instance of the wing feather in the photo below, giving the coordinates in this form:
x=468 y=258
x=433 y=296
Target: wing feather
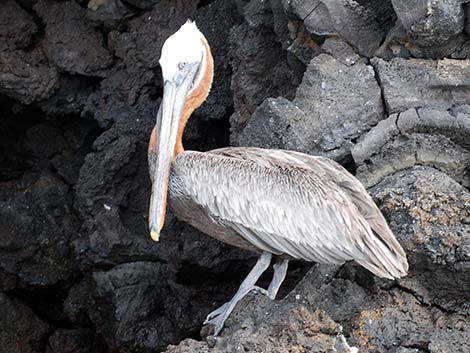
x=291 y=203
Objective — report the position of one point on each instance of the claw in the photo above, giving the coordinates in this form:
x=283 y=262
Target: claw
x=216 y=313
x=261 y=290
x=217 y=317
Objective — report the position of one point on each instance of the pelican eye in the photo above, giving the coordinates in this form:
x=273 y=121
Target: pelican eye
x=182 y=65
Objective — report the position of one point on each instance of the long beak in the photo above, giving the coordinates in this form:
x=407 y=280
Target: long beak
x=160 y=160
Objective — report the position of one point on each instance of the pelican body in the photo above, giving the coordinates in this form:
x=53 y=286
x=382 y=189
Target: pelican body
x=273 y=202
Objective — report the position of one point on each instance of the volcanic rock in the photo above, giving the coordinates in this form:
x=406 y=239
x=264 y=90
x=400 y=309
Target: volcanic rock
x=428 y=211
x=420 y=83
x=335 y=104
x=256 y=51
x=110 y=14
x=21 y=331
x=428 y=29
x=74 y=341
x=16 y=26
x=425 y=136
x=363 y=24
x=72 y=44
x=25 y=77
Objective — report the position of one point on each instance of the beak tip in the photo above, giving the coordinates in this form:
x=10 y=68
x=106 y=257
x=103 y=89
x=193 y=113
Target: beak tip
x=155 y=235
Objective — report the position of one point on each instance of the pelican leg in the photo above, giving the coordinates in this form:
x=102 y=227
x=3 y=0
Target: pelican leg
x=280 y=270
x=217 y=317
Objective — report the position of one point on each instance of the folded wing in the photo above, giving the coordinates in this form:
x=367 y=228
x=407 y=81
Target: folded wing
x=286 y=202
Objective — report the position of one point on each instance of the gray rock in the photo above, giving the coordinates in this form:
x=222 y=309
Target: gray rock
x=141 y=43
x=427 y=210
x=279 y=123
x=72 y=44
x=37 y=226
x=467 y=13
x=362 y=24
x=430 y=23
x=122 y=97
x=427 y=29
x=340 y=50
x=70 y=96
x=142 y=308
x=25 y=77
x=143 y=4
x=256 y=51
x=21 y=330
x=334 y=104
x=80 y=340
x=219 y=104
x=111 y=14
x=420 y=83
x=16 y=26
x=327 y=312
x=425 y=137
x=302 y=44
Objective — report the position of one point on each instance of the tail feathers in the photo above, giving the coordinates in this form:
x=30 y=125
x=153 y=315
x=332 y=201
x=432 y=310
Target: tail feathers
x=385 y=261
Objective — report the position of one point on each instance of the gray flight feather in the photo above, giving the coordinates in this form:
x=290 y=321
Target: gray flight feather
x=286 y=203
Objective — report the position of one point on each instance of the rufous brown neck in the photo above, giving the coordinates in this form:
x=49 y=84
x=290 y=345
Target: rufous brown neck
x=196 y=96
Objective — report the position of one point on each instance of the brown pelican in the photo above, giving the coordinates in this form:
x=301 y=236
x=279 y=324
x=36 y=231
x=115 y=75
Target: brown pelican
x=273 y=202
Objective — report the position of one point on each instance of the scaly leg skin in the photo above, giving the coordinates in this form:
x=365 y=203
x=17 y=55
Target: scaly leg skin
x=280 y=270
x=217 y=317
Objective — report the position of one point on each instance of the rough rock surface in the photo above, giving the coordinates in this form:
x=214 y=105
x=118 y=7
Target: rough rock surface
x=72 y=44
x=329 y=111
x=373 y=84
x=436 y=235
x=417 y=83
x=25 y=77
x=429 y=29
x=16 y=26
x=21 y=331
x=362 y=24
x=425 y=136
x=75 y=341
x=256 y=52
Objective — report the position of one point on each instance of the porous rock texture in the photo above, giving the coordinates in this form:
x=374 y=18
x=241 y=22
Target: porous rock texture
x=380 y=86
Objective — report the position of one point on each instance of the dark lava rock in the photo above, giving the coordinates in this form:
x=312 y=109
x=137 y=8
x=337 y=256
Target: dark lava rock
x=142 y=42
x=72 y=44
x=256 y=51
x=70 y=97
x=36 y=228
x=25 y=77
x=123 y=96
x=428 y=211
x=139 y=307
x=21 y=331
x=219 y=103
x=430 y=23
x=40 y=161
x=340 y=50
x=329 y=313
x=142 y=4
x=427 y=29
x=16 y=26
x=363 y=24
x=335 y=104
x=420 y=83
x=74 y=341
x=110 y=14
x=425 y=136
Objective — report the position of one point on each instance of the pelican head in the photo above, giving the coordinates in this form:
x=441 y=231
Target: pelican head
x=187 y=69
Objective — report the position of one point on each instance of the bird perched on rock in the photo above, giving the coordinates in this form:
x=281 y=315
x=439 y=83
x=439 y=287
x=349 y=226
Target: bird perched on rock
x=274 y=202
